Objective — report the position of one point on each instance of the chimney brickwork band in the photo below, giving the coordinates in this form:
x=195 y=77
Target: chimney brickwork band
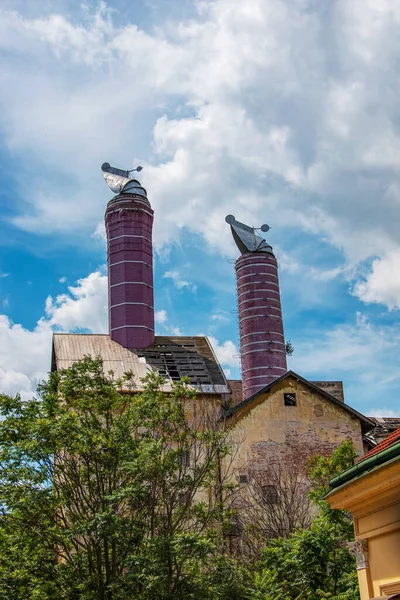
x=262 y=344
x=129 y=224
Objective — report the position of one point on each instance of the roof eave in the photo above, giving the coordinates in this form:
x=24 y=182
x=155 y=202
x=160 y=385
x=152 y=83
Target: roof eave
x=368 y=424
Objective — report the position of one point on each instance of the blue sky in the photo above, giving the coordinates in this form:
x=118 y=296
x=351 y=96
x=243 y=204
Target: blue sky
x=274 y=111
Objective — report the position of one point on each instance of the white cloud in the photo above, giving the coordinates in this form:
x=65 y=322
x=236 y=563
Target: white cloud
x=363 y=354
x=179 y=282
x=3 y=275
x=62 y=279
x=382 y=412
x=286 y=109
x=173 y=330
x=160 y=316
x=226 y=352
x=85 y=307
x=382 y=283
x=100 y=232
x=25 y=354
x=219 y=317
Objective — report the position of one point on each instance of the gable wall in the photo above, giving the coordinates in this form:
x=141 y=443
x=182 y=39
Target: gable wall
x=266 y=431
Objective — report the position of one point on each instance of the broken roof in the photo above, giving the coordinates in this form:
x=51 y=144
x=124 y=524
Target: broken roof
x=390 y=440
x=383 y=427
x=174 y=357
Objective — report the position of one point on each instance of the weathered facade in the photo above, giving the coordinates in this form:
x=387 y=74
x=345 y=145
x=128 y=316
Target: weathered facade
x=271 y=412
x=292 y=413
x=371 y=492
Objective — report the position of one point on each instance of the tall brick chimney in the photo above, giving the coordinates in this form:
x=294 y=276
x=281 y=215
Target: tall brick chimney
x=129 y=223
x=262 y=343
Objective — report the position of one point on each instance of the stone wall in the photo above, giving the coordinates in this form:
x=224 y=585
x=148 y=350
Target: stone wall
x=266 y=430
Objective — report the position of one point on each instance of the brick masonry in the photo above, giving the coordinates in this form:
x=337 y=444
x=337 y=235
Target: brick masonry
x=267 y=430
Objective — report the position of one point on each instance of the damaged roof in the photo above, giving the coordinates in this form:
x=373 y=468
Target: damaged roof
x=172 y=356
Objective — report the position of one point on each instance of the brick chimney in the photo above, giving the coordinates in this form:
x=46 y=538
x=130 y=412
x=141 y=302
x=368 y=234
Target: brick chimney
x=129 y=223
x=262 y=343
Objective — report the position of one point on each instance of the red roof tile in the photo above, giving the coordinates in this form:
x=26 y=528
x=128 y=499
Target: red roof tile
x=390 y=440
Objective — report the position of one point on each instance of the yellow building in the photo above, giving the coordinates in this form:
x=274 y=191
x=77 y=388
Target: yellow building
x=292 y=412
x=370 y=490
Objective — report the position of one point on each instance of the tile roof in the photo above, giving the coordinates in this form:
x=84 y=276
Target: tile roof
x=171 y=356
x=390 y=440
x=383 y=427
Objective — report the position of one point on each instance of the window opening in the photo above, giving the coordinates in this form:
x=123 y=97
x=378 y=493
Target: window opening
x=290 y=399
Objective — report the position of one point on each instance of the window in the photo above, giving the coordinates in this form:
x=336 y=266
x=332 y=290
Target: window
x=184 y=458
x=184 y=499
x=290 y=399
x=235 y=528
x=270 y=494
x=243 y=478
x=318 y=410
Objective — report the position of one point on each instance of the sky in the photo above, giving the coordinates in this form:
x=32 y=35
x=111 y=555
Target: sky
x=283 y=112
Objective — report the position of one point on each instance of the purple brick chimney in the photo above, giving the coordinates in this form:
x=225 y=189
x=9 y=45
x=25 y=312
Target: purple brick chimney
x=129 y=223
x=262 y=343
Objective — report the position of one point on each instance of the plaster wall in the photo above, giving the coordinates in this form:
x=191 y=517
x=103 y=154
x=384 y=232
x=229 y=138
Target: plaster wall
x=384 y=562
x=374 y=501
x=268 y=429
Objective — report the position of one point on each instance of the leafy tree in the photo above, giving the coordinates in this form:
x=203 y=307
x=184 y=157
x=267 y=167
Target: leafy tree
x=107 y=495
x=275 y=501
x=111 y=494
x=323 y=468
x=313 y=563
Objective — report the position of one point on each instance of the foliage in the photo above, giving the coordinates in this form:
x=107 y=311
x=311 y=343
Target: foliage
x=312 y=563
x=275 y=502
x=323 y=468
x=289 y=348
x=107 y=495
x=117 y=491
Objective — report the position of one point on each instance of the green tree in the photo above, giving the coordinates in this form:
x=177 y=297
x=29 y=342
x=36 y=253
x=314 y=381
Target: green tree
x=313 y=563
x=112 y=495
x=323 y=468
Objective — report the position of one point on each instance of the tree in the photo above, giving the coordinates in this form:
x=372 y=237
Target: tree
x=116 y=493
x=275 y=501
x=315 y=562
x=312 y=563
x=106 y=494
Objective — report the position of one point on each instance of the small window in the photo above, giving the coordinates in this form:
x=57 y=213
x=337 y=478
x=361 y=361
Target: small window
x=184 y=499
x=235 y=528
x=290 y=399
x=184 y=458
x=243 y=478
x=270 y=494
x=318 y=410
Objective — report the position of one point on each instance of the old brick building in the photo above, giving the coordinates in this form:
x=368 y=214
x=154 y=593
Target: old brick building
x=271 y=409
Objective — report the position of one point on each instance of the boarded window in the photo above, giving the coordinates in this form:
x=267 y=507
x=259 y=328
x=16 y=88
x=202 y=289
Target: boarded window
x=270 y=494
x=290 y=399
x=184 y=458
x=318 y=410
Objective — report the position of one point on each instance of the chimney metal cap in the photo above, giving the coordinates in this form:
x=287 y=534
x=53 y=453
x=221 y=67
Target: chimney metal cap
x=120 y=181
x=246 y=238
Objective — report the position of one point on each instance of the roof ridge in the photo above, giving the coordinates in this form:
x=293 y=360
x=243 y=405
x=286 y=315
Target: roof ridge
x=389 y=441
x=311 y=385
